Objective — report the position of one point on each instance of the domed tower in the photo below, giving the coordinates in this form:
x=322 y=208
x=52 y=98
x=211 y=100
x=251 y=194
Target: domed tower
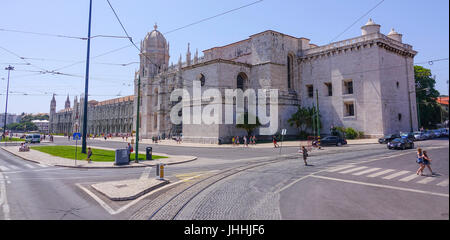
x=370 y=28
x=155 y=53
x=395 y=35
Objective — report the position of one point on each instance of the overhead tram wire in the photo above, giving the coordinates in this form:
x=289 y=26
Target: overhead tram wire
x=208 y=18
x=357 y=20
x=59 y=35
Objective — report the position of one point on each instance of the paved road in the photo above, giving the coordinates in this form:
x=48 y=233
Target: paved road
x=283 y=189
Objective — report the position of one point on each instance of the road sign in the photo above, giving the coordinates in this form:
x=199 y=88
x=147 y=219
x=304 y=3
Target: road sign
x=76 y=136
x=283 y=132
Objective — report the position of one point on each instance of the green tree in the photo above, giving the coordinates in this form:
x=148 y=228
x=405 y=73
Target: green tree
x=246 y=126
x=302 y=120
x=429 y=109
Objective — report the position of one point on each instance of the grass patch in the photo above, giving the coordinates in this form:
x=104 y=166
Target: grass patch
x=98 y=155
x=12 y=140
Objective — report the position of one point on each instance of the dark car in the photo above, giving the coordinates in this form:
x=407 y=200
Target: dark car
x=409 y=135
x=388 y=138
x=332 y=140
x=401 y=143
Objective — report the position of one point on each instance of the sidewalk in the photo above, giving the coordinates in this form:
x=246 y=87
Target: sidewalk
x=258 y=145
x=46 y=159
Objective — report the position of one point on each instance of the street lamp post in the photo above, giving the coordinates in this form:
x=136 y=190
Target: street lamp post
x=83 y=143
x=9 y=68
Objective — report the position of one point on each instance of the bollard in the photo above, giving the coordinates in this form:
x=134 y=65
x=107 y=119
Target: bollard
x=161 y=171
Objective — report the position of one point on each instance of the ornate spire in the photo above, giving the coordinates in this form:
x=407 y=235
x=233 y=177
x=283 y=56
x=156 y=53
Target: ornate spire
x=196 y=56
x=188 y=55
x=155 y=26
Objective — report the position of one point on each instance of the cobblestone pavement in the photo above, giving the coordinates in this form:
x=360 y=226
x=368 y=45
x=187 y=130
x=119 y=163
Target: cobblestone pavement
x=246 y=193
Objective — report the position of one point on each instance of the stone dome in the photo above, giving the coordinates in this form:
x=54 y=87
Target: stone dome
x=392 y=32
x=155 y=40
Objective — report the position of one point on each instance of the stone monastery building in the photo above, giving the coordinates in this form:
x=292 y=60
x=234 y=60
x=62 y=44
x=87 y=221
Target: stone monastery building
x=366 y=83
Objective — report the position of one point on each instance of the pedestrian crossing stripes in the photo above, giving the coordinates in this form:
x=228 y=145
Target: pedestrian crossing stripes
x=381 y=173
x=24 y=166
x=409 y=178
x=353 y=170
x=387 y=174
x=397 y=174
x=426 y=180
x=443 y=183
x=366 y=171
x=3 y=168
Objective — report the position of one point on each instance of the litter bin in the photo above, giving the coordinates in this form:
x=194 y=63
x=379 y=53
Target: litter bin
x=148 y=153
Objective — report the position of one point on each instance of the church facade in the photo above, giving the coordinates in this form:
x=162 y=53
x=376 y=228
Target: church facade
x=366 y=82
x=105 y=117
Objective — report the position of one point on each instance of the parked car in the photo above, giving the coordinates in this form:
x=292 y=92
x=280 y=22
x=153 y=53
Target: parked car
x=409 y=135
x=428 y=134
x=419 y=136
x=33 y=138
x=388 y=138
x=400 y=143
x=444 y=132
x=332 y=140
x=437 y=133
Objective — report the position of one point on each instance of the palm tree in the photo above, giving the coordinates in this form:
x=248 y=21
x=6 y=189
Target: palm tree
x=302 y=119
x=246 y=126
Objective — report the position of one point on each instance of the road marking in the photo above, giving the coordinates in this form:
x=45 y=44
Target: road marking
x=397 y=174
x=340 y=168
x=13 y=167
x=3 y=168
x=3 y=197
x=366 y=171
x=146 y=173
x=381 y=173
x=29 y=165
x=42 y=165
x=382 y=186
x=443 y=183
x=409 y=178
x=353 y=170
x=426 y=180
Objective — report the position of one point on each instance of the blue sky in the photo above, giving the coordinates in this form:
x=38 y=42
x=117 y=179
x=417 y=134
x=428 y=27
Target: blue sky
x=424 y=25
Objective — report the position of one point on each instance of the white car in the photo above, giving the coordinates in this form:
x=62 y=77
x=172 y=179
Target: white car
x=419 y=136
x=33 y=138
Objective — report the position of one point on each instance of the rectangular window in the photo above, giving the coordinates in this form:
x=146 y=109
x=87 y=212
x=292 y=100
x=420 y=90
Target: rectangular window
x=349 y=109
x=348 y=87
x=329 y=89
x=310 y=90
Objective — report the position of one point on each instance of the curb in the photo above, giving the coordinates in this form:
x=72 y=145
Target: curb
x=165 y=182
x=112 y=167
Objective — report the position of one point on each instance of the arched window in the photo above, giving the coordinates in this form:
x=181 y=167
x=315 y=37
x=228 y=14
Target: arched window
x=202 y=80
x=241 y=81
x=290 y=61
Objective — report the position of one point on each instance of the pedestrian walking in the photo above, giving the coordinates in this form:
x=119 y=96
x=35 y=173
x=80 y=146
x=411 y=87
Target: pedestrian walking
x=420 y=162
x=89 y=155
x=245 y=141
x=427 y=162
x=68 y=137
x=237 y=141
x=233 y=140
x=129 y=151
x=275 y=144
x=304 y=152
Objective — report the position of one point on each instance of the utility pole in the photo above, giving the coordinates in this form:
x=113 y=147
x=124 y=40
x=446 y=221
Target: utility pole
x=9 y=68
x=136 y=159
x=86 y=84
